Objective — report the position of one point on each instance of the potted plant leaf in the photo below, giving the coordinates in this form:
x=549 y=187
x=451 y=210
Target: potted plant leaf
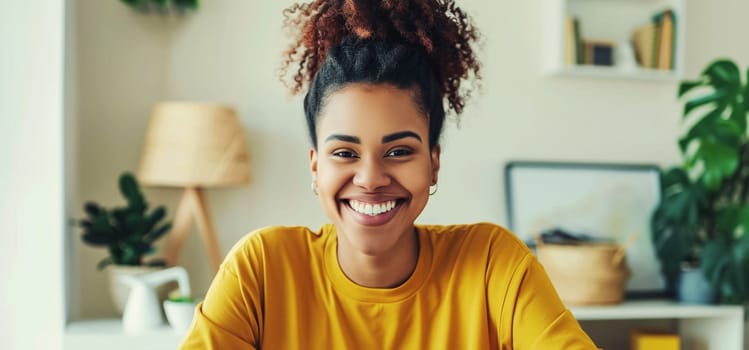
x=162 y=6
x=702 y=220
x=128 y=233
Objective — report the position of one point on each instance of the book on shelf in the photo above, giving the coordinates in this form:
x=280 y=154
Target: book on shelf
x=573 y=44
x=653 y=59
x=599 y=52
x=579 y=51
x=578 y=42
x=642 y=43
x=654 y=42
x=665 y=58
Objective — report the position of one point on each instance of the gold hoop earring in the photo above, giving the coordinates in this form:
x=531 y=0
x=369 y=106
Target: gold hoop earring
x=433 y=189
x=314 y=188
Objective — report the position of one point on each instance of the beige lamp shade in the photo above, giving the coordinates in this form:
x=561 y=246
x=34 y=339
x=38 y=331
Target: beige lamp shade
x=191 y=144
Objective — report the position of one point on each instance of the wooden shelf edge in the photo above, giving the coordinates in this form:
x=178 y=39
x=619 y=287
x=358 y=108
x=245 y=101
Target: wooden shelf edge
x=655 y=309
x=589 y=71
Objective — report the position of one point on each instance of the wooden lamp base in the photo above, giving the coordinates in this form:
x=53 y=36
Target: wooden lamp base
x=193 y=204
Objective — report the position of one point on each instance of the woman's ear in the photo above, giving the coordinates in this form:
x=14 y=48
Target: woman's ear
x=313 y=162
x=435 y=163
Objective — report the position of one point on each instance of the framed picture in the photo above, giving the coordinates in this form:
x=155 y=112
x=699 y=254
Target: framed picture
x=605 y=201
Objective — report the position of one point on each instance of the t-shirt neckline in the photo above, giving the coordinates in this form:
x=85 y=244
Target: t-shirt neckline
x=343 y=285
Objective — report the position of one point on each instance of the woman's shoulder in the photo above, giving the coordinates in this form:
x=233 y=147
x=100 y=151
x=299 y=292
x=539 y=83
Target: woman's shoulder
x=481 y=235
x=272 y=239
x=282 y=233
x=488 y=231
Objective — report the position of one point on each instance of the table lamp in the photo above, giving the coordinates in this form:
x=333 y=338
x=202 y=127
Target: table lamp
x=194 y=145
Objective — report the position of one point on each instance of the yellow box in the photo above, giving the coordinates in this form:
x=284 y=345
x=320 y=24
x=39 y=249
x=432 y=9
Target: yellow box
x=642 y=340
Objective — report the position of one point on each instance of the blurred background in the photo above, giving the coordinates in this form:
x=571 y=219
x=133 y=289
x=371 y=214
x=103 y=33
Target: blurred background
x=79 y=79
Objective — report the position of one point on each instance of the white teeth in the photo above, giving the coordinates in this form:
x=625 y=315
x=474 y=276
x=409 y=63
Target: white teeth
x=372 y=209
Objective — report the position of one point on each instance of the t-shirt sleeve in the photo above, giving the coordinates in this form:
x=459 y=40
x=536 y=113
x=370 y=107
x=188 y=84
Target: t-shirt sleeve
x=539 y=318
x=230 y=316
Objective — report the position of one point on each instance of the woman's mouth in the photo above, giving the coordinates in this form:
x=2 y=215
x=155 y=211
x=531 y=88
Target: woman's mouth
x=372 y=209
x=372 y=213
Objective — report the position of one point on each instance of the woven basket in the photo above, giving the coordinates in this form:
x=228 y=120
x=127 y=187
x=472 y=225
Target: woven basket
x=586 y=274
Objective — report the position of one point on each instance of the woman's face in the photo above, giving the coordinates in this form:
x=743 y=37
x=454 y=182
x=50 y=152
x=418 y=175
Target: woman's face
x=373 y=166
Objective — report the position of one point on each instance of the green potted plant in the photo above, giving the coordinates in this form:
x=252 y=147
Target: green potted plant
x=162 y=6
x=128 y=233
x=702 y=220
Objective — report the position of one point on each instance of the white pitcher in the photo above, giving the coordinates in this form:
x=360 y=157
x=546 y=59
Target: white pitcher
x=142 y=308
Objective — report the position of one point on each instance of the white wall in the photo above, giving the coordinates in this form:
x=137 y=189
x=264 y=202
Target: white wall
x=31 y=174
x=121 y=72
x=229 y=51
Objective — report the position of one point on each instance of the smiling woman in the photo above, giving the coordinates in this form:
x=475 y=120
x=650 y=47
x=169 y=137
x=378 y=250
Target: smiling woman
x=373 y=157
x=379 y=77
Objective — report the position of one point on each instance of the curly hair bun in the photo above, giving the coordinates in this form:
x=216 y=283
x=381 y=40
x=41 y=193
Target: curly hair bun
x=439 y=27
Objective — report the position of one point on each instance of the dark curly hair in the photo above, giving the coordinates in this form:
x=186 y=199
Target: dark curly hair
x=423 y=45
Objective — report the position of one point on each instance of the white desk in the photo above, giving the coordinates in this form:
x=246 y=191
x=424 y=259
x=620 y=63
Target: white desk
x=108 y=334
x=701 y=327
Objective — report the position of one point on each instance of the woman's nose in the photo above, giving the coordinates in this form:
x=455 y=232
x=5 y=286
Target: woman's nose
x=371 y=175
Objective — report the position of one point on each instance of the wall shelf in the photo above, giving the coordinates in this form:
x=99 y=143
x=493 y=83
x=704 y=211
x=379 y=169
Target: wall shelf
x=610 y=20
x=590 y=71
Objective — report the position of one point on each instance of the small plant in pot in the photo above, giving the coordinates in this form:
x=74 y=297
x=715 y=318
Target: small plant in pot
x=128 y=233
x=702 y=221
x=179 y=312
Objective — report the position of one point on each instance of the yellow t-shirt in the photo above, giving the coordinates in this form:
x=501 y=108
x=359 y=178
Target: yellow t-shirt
x=474 y=287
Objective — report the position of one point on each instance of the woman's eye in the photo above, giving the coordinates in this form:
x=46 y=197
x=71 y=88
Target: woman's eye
x=399 y=152
x=344 y=154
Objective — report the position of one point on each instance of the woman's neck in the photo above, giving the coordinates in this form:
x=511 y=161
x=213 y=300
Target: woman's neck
x=387 y=270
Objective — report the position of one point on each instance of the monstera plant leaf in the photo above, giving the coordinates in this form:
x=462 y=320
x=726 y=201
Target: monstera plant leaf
x=703 y=215
x=675 y=222
x=726 y=265
x=733 y=221
x=719 y=161
x=711 y=145
x=681 y=197
x=712 y=126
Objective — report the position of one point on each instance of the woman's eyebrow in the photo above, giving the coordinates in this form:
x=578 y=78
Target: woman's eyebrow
x=399 y=135
x=344 y=138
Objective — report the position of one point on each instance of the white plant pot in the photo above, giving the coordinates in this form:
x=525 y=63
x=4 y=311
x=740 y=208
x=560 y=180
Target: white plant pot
x=180 y=314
